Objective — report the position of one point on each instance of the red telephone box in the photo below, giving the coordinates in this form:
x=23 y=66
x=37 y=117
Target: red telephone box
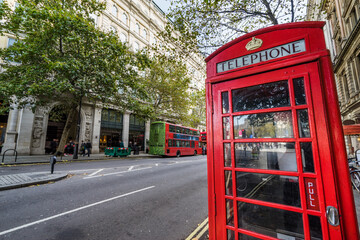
x=277 y=165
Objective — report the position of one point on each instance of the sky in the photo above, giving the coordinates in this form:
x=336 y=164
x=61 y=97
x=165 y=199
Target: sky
x=163 y=4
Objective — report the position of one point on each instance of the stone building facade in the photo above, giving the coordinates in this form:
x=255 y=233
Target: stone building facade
x=343 y=41
x=138 y=23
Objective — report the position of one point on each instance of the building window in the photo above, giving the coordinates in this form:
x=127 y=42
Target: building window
x=154 y=41
x=137 y=28
x=136 y=46
x=93 y=16
x=125 y=18
x=354 y=18
x=114 y=11
x=111 y=119
x=113 y=29
x=345 y=87
x=123 y=38
x=144 y=34
x=11 y=42
x=355 y=70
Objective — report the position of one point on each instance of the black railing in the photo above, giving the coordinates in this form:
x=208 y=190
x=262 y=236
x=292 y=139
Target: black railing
x=15 y=153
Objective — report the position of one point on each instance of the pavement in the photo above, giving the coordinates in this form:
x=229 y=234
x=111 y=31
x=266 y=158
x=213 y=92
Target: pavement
x=28 y=179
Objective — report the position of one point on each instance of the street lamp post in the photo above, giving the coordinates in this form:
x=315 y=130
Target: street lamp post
x=75 y=156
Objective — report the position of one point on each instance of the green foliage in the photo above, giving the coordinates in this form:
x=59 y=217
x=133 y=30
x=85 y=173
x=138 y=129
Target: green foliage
x=210 y=24
x=167 y=84
x=60 y=55
x=197 y=117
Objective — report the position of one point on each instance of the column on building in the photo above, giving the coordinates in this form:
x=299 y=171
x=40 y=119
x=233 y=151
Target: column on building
x=96 y=130
x=25 y=126
x=11 y=133
x=125 y=133
x=147 y=134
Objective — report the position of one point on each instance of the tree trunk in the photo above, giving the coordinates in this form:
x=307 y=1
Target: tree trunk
x=69 y=130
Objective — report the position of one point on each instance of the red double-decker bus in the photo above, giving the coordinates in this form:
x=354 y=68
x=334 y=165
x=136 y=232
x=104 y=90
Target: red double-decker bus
x=203 y=137
x=168 y=139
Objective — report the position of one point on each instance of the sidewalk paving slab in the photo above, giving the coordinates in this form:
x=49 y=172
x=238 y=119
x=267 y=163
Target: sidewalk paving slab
x=33 y=159
x=27 y=179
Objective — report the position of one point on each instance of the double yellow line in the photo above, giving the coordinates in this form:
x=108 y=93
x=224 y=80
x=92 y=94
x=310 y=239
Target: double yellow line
x=199 y=231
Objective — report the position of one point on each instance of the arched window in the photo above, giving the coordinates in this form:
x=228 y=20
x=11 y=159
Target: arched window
x=137 y=28
x=125 y=18
x=114 y=11
x=136 y=46
x=144 y=33
x=123 y=37
x=154 y=41
x=113 y=29
x=94 y=17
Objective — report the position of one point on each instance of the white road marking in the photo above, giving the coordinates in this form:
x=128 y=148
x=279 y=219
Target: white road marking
x=131 y=168
x=114 y=173
x=94 y=173
x=74 y=210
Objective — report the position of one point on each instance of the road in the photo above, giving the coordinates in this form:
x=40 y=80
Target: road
x=154 y=198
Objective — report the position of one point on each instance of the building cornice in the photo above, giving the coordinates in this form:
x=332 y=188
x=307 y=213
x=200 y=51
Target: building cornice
x=350 y=40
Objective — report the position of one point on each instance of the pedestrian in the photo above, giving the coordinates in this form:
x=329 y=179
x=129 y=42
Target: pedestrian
x=88 y=147
x=82 y=148
x=204 y=149
x=136 y=149
x=53 y=146
x=109 y=143
x=121 y=144
x=131 y=146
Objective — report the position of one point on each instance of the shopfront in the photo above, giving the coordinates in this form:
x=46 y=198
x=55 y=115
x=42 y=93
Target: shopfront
x=277 y=167
x=137 y=131
x=111 y=128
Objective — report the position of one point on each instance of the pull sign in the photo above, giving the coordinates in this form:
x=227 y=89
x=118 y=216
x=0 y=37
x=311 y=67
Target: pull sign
x=312 y=199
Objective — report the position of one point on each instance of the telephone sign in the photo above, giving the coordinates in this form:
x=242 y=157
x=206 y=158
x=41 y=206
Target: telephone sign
x=277 y=163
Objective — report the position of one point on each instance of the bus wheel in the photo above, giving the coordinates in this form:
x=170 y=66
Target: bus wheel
x=178 y=154
x=195 y=153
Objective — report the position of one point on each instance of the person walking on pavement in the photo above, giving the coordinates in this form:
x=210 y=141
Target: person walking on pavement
x=53 y=146
x=82 y=148
x=136 y=149
x=121 y=144
x=131 y=146
x=88 y=147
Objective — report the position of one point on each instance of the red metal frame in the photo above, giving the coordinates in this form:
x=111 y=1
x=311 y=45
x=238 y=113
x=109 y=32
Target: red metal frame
x=331 y=175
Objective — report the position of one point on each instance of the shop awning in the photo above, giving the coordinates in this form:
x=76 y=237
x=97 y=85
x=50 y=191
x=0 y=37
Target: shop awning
x=353 y=129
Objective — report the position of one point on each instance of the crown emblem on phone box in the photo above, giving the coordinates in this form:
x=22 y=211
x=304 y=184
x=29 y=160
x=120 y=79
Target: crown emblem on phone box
x=253 y=44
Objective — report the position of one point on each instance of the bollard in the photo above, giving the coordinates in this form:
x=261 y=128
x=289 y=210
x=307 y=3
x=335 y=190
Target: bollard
x=52 y=163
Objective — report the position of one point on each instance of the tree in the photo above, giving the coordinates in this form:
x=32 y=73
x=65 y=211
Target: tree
x=197 y=117
x=60 y=55
x=167 y=83
x=209 y=24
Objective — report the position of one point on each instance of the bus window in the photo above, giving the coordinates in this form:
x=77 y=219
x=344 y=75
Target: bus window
x=183 y=130
x=187 y=144
x=170 y=143
x=178 y=129
x=187 y=131
x=177 y=143
x=171 y=128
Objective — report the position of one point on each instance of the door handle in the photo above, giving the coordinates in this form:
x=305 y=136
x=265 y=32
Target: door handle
x=332 y=215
